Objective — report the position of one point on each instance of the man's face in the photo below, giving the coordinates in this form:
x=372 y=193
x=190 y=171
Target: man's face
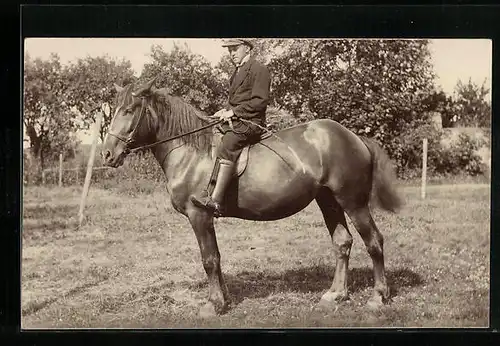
x=237 y=53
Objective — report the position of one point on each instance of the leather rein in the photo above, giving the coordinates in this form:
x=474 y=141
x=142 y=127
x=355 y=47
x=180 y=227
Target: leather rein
x=129 y=141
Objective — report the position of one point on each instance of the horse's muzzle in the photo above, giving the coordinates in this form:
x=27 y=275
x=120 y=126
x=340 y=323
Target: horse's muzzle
x=111 y=160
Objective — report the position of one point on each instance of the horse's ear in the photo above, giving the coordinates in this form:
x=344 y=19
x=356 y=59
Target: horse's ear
x=145 y=89
x=118 y=88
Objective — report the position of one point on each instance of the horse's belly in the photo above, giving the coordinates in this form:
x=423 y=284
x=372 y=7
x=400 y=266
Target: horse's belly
x=279 y=180
x=272 y=198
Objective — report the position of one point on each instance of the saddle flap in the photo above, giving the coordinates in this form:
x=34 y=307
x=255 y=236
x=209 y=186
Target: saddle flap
x=243 y=158
x=242 y=161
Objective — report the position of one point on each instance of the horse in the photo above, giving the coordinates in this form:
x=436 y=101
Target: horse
x=318 y=160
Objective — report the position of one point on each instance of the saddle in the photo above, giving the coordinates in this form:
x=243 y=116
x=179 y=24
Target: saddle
x=242 y=161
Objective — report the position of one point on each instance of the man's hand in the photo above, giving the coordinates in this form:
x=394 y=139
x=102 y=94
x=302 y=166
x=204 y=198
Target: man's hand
x=218 y=113
x=224 y=114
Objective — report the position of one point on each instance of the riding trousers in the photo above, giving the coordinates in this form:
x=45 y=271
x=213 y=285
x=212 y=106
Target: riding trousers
x=234 y=140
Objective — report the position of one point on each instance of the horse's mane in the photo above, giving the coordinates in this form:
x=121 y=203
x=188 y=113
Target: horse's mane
x=176 y=117
x=172 y=116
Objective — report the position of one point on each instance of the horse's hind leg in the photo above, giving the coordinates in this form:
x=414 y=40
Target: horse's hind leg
x=374 y=242
x=342 y=242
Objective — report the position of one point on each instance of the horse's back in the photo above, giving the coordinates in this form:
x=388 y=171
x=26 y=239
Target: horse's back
x=332 y=154
x=324 y=136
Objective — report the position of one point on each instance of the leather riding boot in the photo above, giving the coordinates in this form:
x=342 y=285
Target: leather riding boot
x=204 y=198
x=226 y=173
x=224 y=169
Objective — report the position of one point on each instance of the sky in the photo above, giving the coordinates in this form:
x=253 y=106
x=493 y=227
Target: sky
x=136 y=50
x=453 y=59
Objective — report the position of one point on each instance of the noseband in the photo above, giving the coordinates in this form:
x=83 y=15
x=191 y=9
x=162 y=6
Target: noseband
x=130 y=139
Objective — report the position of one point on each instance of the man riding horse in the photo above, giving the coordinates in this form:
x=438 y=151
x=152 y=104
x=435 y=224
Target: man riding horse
x=344 y=173
x=248 y=99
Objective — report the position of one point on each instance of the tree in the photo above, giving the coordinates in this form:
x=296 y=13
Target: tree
x=373 y=87
x=289 y=67
x=224 y=69
x=47 y=118
x=90 y=83
x=473 y=108
x=189 y=76
x=443 y=104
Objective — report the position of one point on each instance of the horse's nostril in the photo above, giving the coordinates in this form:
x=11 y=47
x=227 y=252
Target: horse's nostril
x=106 y=154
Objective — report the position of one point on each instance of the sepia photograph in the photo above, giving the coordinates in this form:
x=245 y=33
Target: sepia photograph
x=242 y=182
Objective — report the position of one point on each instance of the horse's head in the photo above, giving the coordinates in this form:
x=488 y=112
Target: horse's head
x=123 y=133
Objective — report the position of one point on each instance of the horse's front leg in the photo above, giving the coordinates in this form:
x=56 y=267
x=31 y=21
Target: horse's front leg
x=203 y=227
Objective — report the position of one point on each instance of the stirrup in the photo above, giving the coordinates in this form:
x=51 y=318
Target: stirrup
x=219 y=210
x=203 y=201
x=208 y=204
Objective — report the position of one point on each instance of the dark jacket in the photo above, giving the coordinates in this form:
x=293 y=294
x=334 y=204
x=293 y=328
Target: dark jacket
x=249 y=96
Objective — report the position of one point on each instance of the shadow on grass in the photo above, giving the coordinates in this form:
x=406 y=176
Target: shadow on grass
x=40 y=221
x=41 y=211
x=308 y=280
x=35 y=306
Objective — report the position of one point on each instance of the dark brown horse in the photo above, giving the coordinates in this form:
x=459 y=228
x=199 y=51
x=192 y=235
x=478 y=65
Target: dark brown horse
x=318 y=160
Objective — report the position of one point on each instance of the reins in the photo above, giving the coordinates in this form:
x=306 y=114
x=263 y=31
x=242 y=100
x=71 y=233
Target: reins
x=130 y=140
x=175 y=137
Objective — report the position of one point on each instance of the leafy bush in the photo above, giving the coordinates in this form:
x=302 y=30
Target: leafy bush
x=407 y=150
x=460 y=157
x=145 y=165
x=139 y=174
x=31 y=171
x=279 y=119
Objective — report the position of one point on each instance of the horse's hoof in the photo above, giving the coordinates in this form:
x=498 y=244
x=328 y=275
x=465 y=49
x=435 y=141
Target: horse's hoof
x=331 y=299
x=208 y=311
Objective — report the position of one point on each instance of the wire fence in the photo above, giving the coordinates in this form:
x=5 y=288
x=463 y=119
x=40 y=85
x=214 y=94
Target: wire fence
x=68 y=176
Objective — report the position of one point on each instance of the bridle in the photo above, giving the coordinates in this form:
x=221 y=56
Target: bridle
x=129 y=141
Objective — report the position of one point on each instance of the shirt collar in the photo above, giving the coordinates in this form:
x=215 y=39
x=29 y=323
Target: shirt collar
x=244 y=60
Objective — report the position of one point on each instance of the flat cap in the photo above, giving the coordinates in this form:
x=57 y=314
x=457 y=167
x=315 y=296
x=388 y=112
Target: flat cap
x=237 y=42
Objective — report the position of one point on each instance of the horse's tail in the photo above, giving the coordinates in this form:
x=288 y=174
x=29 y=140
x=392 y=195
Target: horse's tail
x=384 y=193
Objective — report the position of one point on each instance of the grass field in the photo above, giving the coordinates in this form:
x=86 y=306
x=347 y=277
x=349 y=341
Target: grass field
x=136 y=264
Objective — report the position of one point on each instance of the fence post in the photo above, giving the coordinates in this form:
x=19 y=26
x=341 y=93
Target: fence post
x=43 y=176
x=424 y=168
x=97 y=128
x=60 y=169
x=76 y=166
